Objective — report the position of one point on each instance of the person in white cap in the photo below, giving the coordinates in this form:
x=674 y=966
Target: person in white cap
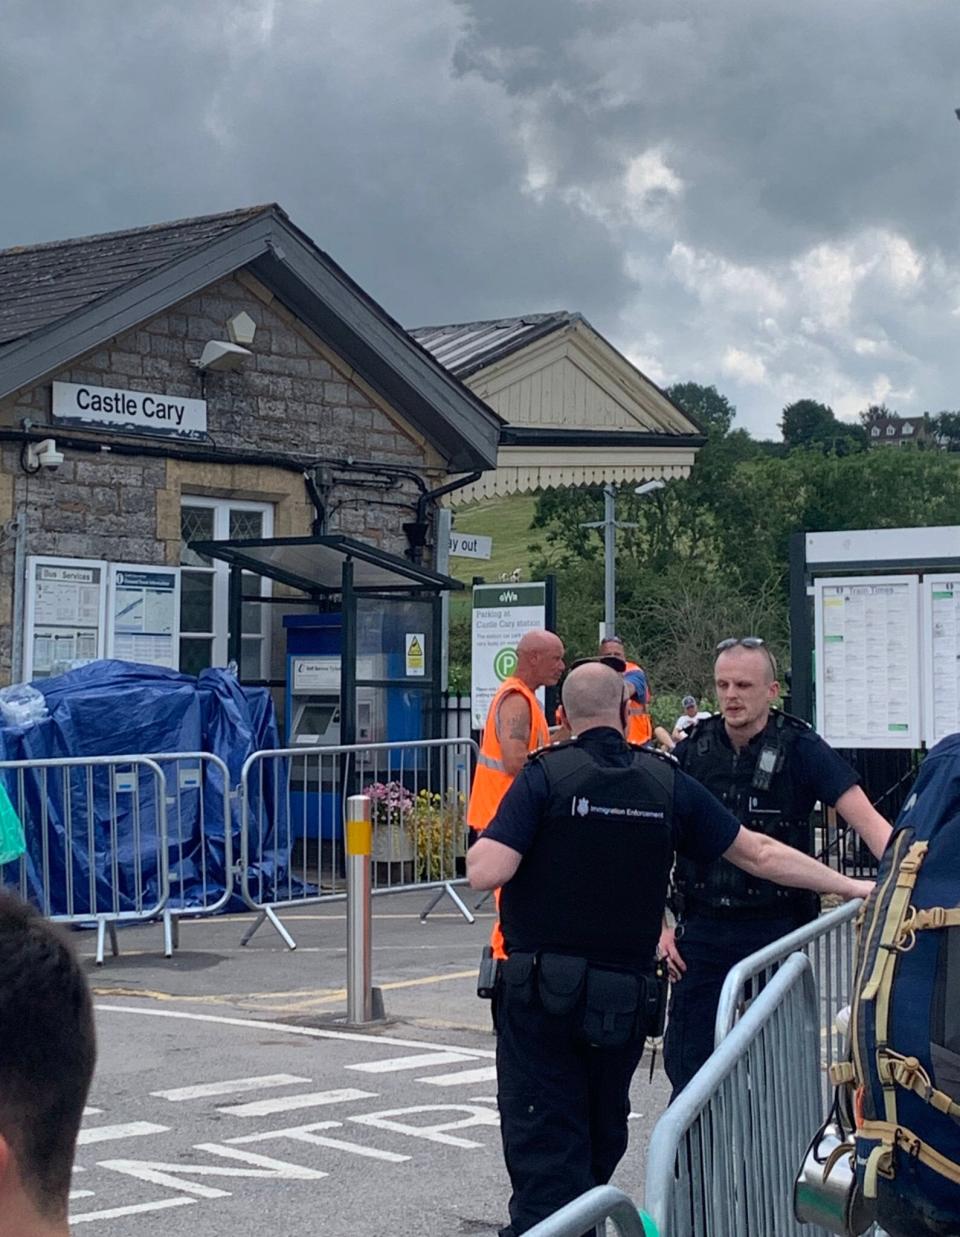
x=689 y=717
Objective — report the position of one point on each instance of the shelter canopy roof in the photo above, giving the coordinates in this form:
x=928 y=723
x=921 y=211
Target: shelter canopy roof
x=314 y=565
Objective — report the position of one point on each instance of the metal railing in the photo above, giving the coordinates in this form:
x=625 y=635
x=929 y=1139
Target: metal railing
x=200 y=828
x=828 y=944
x=602 y=1203
x=292 y=813
x=723 y=1157
x=97 y=843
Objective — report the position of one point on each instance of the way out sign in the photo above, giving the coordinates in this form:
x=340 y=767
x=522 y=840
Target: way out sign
x=501 y=614
x=467 y=545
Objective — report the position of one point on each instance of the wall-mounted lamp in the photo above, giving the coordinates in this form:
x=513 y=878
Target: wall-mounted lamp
x=217 y=354
x=42 y=454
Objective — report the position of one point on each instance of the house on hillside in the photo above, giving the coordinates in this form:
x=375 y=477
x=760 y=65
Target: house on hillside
x=209 y=379
x=900 y=432
x=576 y=411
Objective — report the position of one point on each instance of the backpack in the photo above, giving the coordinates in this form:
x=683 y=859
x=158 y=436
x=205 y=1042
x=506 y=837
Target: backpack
x=905 y=1015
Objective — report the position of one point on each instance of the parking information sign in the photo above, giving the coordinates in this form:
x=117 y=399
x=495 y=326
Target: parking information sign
x=501 y=614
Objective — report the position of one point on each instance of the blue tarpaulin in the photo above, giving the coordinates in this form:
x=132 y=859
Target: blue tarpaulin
x=112 y=708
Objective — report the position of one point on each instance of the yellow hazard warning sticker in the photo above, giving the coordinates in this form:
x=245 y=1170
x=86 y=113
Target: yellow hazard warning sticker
x=416 y=661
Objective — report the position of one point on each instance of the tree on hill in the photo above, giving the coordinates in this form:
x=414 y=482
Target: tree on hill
x=807 y=423
x=875 y=414
x=705 y=404
x=945 y=426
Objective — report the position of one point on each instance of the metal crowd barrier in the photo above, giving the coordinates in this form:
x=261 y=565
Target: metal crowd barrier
x=292 y=817
x=97 y=845
x=828 y=944
x=724 y=1155
x=602 y=1203
x=200 y=836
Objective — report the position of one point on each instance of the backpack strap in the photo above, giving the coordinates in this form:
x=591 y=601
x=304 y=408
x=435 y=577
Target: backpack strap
x=907 y=1072
x=881 y=979
x=880 y=1160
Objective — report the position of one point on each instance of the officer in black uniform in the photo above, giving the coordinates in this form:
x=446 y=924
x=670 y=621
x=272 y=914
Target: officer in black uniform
x=769 y=769
x=582 y=844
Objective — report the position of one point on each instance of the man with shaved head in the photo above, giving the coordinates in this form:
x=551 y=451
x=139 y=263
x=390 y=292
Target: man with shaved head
x=515 y=727
x=582 y=845
x=769 y=769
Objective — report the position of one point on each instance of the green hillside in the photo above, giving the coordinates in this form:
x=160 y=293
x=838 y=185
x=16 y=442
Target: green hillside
x=507 y=521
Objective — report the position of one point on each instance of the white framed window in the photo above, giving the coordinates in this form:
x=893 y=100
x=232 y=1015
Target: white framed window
x=907 y=429
x=875 y=431
x=205 y=586
x=891 y=430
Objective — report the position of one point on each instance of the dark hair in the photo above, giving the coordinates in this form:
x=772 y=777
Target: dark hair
x=47 y=1051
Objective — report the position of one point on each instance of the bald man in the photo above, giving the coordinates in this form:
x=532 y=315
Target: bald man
x=582 y=844
x=515 y=727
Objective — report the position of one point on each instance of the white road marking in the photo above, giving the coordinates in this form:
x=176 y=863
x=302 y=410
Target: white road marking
x=462 y=1078
x=92 y=1112
x=172 y=1175
x=106 y=1133
x=232 y=1086
x=134 y=1209
x=305 y=1134
x=432 y=1133
x=287 y=1103
x=423 y=1060
x=256 y=1024
x=80 y=1194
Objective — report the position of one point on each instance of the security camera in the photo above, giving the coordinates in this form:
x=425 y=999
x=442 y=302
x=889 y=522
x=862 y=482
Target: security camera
x=650 y=487
x=43 y=454
x=218 y=354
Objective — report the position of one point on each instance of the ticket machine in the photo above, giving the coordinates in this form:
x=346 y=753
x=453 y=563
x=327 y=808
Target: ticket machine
x=313 y=716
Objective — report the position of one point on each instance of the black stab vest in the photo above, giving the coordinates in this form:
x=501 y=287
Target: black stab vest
x=594 y=881
x=781 y=811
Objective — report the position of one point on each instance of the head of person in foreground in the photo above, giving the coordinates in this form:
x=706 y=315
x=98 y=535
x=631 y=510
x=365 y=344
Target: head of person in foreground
x=47 y=1055
x=593 y=696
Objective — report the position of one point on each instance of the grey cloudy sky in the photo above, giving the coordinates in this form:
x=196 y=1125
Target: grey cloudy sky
x=756 y=193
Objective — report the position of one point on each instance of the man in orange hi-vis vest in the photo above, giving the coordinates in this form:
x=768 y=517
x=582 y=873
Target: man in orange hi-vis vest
x=639 y=721
x=515 y=727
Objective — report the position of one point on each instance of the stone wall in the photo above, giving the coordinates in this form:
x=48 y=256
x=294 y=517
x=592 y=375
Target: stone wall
x=293 y=398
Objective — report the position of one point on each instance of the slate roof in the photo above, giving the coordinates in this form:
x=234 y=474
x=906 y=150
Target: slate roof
x=62 y=300
x=465 y=347
x=44 y=283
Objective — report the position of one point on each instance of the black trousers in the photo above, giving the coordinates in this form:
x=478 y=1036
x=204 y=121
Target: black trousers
x=563 y=1106
x=709 y=947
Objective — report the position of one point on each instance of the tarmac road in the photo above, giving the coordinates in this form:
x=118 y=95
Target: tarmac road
x=231 y=1098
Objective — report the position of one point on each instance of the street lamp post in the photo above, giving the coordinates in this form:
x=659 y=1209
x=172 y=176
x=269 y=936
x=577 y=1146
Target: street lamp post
x=610 y=525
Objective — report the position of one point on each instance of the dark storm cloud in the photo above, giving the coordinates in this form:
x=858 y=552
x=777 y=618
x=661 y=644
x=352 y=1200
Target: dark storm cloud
x=748 y=192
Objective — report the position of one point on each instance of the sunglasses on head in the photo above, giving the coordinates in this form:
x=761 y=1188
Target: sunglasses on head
x=748 y=642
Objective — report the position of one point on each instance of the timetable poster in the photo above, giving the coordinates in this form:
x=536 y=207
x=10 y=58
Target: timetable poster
x=64 y=614
x=868 y=661
x=941 y=622
x=145 y=613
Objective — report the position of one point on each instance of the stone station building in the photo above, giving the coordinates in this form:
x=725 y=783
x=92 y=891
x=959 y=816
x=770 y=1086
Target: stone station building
x=217 y=377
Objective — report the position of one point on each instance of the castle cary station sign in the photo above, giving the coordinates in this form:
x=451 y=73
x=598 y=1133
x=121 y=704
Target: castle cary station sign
x=142 y=411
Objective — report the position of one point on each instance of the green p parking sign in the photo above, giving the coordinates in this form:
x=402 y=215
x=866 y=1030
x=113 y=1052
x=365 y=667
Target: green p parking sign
x=505 y=663
x=501 y=614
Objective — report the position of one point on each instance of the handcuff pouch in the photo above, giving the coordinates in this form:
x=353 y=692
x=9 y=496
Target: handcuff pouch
x=560 y=982
x=612 y=1006
x=517 y=977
